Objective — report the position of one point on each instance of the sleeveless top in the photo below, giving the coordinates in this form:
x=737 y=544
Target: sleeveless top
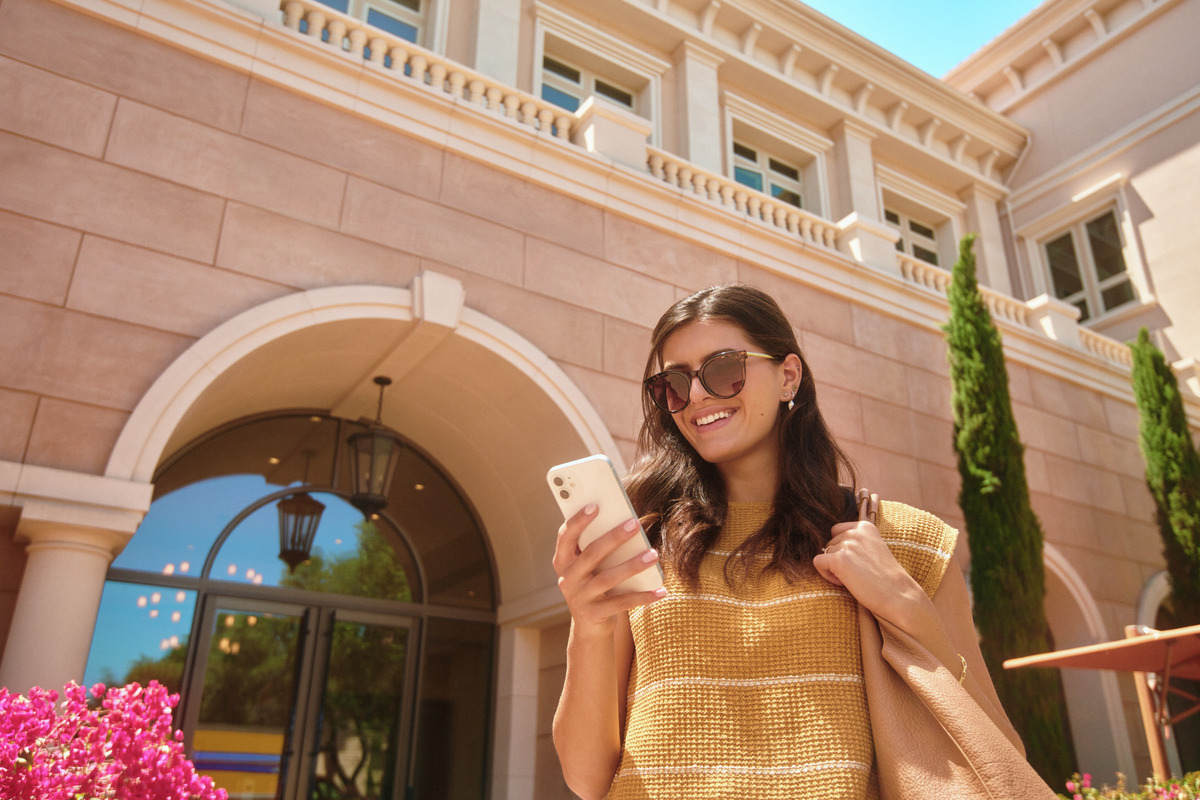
x=756 y=690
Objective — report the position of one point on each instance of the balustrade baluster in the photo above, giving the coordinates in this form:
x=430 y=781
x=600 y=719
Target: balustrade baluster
x=337 y=33
x=562 y=126
x=316 y=23
x=358 y=40
x=293 y=12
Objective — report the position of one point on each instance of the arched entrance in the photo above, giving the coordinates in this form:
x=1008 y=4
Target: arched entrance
x=363 y=672
x=488 y=406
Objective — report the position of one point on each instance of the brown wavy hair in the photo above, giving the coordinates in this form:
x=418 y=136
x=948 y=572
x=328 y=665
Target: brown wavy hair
x=681 y=497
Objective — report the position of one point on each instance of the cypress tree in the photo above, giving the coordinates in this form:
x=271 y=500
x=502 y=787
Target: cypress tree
x=1007 y=574
x=1172 y=473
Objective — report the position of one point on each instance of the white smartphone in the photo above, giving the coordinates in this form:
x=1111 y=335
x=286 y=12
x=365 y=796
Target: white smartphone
x=594 y=480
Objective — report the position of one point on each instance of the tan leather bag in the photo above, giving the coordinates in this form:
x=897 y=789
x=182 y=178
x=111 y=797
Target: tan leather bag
x=932 y=739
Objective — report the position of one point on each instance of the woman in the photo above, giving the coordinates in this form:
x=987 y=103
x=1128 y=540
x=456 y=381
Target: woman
x=742 y=677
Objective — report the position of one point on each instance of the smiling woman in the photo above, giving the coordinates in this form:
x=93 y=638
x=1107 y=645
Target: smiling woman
x=743 y=676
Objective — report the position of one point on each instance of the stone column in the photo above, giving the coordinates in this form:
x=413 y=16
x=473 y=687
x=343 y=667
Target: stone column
x=514 y=761
x=497 y=39
x=70 y=546
x=699 y=105
x=855 y=199
x=983 y=218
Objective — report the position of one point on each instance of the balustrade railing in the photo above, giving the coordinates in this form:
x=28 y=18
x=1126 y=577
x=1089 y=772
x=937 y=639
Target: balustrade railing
x=408 y=62
x=414 y=64
x=735 y=196
x=1106 y=348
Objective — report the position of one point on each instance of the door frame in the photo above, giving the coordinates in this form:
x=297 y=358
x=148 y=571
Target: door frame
x=314 y=641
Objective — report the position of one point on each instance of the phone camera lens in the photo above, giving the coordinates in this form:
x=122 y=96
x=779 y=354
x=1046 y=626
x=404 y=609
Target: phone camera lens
x=558 y=481
x=564 y=494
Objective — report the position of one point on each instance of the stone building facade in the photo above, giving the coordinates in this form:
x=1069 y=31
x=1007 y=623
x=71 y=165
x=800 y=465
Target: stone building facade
x=222 y=220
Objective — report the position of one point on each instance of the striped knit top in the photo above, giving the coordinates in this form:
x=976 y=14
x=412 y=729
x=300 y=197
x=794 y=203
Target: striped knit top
x=756 y=691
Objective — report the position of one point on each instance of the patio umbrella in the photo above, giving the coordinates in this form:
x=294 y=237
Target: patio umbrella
x=1162 y=654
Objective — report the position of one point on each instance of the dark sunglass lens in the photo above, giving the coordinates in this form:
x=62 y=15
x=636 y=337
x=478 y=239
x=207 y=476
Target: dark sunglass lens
x=677 y=390
x=664 y=391
x=725 y=375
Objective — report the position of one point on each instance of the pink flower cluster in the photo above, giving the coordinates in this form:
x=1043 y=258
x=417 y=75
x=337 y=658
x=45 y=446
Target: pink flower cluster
x=124 y=750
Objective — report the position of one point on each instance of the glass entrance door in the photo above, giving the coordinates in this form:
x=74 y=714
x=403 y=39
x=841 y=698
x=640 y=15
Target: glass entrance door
x=294 y=702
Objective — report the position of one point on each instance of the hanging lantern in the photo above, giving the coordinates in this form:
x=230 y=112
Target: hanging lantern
x=373 y=457
x=299 y=515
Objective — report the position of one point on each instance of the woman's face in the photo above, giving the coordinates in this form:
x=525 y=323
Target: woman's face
x=738 y=433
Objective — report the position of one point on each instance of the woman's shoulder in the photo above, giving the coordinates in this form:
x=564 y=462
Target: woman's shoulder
x=921 y=542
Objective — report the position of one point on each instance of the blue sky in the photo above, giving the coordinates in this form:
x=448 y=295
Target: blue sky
x=934 y=35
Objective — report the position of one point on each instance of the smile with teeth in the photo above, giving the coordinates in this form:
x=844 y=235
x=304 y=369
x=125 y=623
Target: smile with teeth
x=711 y=418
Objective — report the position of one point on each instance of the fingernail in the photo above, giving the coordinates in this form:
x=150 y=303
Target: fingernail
x=590 y=508
x=630 y=525
x=649 y=556
x=661 y=591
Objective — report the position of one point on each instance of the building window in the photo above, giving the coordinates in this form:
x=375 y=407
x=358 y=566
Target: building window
x=917 y=238
x=1087 y=266
x=764 y=172
x=568 y=86
x=403 y=18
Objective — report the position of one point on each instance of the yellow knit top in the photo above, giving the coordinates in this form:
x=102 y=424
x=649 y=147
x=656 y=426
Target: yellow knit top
x=756 y=690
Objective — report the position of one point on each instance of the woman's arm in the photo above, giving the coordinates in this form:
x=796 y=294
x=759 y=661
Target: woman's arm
x=590 y=719
x=858 y=559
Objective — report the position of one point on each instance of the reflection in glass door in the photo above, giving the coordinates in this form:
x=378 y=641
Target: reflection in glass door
x=300 y=702
x=360 y=735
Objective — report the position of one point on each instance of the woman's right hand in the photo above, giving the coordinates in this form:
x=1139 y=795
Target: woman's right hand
x=586 y=587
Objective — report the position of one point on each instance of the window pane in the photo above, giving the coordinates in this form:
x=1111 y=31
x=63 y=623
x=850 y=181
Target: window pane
x=339 y=5
x=745 y=152
x=613 y=93
x=1105 y=241
x=411 y=5
x=181 y=526
x=891 y=216
x=561 y=69
x=748 y=177
x=921 y=230
x=141 y=634
x=349 y=555
x=1117 y=295
x=1064 y=267
x=247 y=700
x=391 y=25
x=559 y=97
x=784 y=169
x=361 y=712
x=451 y=748
x=928 y=256
x=786 y=195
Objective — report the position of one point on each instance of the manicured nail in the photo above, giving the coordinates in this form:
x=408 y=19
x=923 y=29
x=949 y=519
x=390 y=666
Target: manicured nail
x=590 y=508
x=661 y=591
x=630 y=525
x=649 y=556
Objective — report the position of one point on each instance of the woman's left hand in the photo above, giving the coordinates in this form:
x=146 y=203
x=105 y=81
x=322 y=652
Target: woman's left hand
x=858 y=559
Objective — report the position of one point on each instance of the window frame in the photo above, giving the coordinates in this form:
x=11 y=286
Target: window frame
x=749 y=124
x=910 y=239
x=1093 y=286
x=767 y=166
x=920 y=203
x=423 y=21
x=585 y=86
x=576 y=44
x=1093 y=203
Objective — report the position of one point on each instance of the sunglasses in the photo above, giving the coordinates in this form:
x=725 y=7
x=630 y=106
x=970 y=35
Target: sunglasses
x=722 y=375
